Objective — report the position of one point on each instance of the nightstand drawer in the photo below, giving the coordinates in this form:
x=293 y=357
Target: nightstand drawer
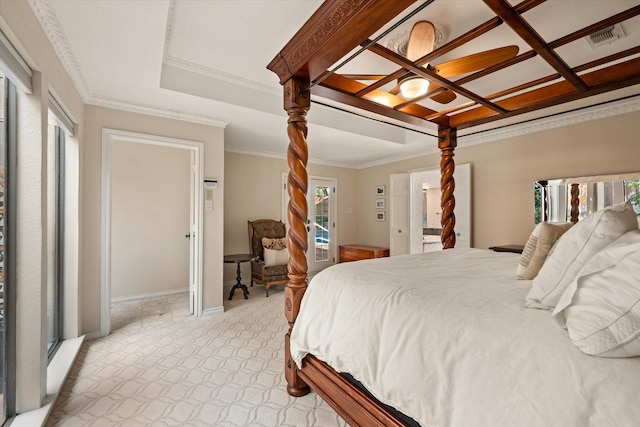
x=358 y=252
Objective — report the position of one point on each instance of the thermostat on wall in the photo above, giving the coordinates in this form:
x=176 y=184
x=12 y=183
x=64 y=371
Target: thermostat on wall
x=210 y=183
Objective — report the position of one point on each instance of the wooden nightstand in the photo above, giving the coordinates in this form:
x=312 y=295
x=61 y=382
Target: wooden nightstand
x=517 y=249
x=358 y=252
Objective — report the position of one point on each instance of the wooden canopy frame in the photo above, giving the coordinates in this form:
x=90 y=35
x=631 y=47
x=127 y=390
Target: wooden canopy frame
x=340 y=26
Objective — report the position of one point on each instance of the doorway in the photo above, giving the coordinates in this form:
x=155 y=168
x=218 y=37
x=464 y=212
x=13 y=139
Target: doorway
x=415 y=213
x=321 y=221
x=140 y=209
x=426 y=209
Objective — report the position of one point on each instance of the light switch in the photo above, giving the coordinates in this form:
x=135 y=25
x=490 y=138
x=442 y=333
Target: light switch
x=208 y=199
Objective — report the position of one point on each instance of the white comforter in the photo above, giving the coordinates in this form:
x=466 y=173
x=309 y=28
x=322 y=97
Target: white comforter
x=444 y=337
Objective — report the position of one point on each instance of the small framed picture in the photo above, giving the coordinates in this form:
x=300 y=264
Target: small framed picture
x=380 y=190
x=381 y=216
x=379 y=203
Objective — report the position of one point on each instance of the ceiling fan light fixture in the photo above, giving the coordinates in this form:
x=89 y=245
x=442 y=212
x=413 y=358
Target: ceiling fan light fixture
x=414 y=86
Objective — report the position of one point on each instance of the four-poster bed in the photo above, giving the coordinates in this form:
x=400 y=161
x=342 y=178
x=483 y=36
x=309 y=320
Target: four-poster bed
x=338 y=28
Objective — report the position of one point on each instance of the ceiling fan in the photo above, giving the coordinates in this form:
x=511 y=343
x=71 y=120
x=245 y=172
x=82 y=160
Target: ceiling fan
x=420 y=43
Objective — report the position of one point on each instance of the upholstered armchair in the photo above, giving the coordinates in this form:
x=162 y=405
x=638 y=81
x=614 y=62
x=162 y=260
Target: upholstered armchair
x=267 y=275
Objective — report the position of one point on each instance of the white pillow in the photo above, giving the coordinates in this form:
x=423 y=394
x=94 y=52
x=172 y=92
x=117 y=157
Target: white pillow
x=537 y=248
x=601 y=308
x=275 y=257
x=575 y=248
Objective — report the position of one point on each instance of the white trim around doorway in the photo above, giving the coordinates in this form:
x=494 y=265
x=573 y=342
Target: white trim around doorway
x=108 y=137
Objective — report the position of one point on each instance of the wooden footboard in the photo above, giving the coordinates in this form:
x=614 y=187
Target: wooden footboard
x=346 y=399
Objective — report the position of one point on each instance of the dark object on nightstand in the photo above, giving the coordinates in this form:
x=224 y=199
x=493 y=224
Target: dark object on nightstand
x=516 y=249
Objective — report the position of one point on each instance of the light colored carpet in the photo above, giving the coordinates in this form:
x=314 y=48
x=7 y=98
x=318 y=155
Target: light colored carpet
x=162 y=367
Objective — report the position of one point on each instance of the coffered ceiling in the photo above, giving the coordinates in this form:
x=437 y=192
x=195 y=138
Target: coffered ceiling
x=205 y=61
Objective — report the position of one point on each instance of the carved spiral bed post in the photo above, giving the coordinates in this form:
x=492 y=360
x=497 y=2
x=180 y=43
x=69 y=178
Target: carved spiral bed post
x=296 y=102
x=447 y=143
x=575 y=202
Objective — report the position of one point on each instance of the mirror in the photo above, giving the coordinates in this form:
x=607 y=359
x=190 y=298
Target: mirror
x=571 y=199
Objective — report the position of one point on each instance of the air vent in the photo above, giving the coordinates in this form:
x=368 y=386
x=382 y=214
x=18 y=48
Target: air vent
x=605 y=36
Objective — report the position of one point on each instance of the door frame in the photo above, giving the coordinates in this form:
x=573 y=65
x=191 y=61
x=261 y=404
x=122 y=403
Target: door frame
x=333 y=243
x=197 y=150
x=462 y=209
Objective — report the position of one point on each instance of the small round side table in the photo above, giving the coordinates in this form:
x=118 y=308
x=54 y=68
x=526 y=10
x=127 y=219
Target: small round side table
x=238 y=259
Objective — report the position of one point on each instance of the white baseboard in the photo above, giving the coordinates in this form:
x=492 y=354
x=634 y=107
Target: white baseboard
x=150 y=295
x=211 y=312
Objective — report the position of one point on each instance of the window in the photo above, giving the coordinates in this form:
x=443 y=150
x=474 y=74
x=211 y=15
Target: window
x=55 y=281
x=7 y=246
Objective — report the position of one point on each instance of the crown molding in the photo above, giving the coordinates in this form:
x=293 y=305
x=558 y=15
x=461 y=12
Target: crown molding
x=204 y=70
x=153 y=110
x=169 y=29
x=46 y=15
x=220 y=75
x=48 y=19
x=609 y=109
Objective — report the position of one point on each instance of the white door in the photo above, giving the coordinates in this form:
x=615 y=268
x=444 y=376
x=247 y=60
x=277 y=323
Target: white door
x=193 y=239
x=462 y=193
x=430 y=180
x=321 y=224
x=399 y=218
x=321 y=221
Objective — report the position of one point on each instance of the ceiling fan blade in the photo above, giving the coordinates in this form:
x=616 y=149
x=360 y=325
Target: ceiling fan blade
x=421 y=40
x=444 y=97
x=475 y=62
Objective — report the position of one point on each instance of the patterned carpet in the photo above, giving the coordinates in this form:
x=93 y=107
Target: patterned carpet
x=162 y=367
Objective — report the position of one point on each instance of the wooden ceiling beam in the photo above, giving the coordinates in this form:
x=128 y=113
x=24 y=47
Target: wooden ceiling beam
x=604 y=80
x=533 y=39
x=342 y=89
x=371 y=106
x=605 y=23
x=607 y=59
x=453 y=44
x=432 y=76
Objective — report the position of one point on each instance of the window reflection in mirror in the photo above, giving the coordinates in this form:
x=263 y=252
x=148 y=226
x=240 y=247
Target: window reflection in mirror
x=571 y=199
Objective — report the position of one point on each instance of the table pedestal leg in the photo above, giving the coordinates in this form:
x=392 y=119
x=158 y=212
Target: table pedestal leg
x=239 y=285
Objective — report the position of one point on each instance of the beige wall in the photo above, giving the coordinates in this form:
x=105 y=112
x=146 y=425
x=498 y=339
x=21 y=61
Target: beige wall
x=149 y=219
x=503 y=172
x=97 y=118
x=254 y=191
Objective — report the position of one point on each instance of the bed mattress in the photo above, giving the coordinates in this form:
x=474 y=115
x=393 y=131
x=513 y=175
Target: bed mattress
x=444 y=338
